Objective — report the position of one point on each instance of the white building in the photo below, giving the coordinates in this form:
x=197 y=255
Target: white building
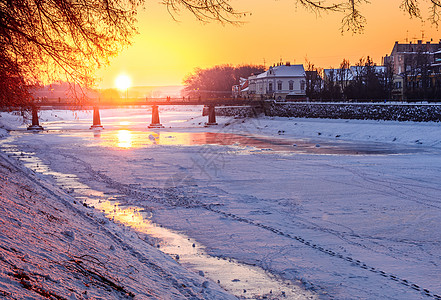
x=240 y=90
x=282 y=82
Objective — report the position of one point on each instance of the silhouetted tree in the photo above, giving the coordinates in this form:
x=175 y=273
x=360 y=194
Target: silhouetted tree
x=218 y=80
x=14 y=90
x=314 y=82
x=47 y=40
x=417 y=74
x=354 y=21
x=368 y=82
x=331 y=90
x=344 y=74
x=388 y=79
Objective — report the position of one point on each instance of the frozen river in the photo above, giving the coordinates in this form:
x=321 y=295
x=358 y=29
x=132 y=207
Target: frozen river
x=263 y=216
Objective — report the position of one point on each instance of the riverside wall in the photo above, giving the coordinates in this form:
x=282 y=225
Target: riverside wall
x=248 y=111
x=361 y=111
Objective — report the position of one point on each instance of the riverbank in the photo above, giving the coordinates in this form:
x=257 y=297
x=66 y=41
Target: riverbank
x=390 y=111
x=52 y=246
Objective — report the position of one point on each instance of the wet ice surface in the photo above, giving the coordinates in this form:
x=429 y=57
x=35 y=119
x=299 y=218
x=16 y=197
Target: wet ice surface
x=365 y=224
x=240 y=143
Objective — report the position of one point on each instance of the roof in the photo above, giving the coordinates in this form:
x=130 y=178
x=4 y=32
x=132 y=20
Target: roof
x=416 y=47
x=283 y=71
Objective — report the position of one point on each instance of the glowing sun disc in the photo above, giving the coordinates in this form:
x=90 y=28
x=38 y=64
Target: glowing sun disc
x=123 y=82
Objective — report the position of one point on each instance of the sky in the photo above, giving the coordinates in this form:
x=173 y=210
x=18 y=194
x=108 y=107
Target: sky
x=165 y=51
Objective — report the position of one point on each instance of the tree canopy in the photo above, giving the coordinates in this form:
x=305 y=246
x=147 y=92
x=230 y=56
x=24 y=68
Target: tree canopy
x=218 y=80
x=353 y=19
x=47 y=40
x=43 y=40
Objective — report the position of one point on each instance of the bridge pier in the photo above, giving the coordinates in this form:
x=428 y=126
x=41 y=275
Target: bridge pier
x=211 y=116
x=35 y=123
x=96 y=118
x=155 y=118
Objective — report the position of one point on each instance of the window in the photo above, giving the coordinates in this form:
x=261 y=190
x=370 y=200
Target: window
x=279 y=85
x=291 y=85
x=302 y=85
x=270 y=87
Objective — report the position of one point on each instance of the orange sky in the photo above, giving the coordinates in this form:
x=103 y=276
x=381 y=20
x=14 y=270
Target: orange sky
x=165 y=51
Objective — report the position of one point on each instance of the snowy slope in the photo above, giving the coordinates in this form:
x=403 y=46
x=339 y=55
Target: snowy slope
x=52 y=246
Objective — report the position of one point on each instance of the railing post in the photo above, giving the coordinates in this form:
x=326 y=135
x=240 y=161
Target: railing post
x=155 y=118
x=35 y=123
x=96 y=118
x=211 y=115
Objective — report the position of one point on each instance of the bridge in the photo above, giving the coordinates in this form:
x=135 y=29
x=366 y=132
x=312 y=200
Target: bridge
x=211 y=103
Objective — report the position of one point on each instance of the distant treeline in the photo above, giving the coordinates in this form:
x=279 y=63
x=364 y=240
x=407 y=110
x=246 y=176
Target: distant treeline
x=364 y=81
x=218 y=80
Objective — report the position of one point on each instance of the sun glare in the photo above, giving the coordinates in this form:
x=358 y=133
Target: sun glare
x=123 y=82
x=124 y=139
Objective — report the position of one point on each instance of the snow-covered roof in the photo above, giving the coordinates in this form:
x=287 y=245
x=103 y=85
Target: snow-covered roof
x=377 y=69
x=284 y=71
x=350 y=73
x=348 y=76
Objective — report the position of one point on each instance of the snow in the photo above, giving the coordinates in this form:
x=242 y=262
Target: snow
x=361 y=223
x=284 y=71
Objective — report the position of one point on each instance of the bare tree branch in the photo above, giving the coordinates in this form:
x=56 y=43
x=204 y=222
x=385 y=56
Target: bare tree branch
x=51 y=39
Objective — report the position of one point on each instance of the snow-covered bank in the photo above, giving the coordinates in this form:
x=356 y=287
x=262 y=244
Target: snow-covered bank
x=346 y=226
x=424 y=134
x=53 y=247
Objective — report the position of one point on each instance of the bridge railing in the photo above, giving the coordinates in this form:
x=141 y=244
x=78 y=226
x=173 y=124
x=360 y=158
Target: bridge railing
x=71 y=103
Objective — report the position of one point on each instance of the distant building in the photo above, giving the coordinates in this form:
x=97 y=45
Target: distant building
x=397 y=87
x=281 y=82
x=404 y=56
x=241 y=90
x=416 y=68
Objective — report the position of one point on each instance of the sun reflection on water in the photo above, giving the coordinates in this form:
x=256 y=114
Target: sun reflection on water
x=130 y=216
x=124 y=139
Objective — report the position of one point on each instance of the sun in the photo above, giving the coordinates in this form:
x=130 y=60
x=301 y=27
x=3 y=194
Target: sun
x=123 y=82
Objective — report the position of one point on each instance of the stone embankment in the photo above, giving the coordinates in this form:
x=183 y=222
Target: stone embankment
x=248 y=111
x=361 y=111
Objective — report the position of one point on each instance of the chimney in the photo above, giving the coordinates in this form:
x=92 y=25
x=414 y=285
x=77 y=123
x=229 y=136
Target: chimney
x=288 y=63
x=420 y=42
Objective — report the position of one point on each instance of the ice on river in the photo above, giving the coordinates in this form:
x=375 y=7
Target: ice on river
x=358 y=223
